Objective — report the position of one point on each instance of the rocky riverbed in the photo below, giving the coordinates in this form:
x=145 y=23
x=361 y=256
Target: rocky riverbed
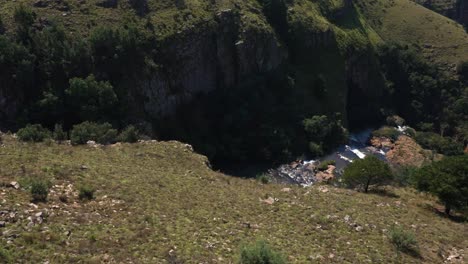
x=360 y=145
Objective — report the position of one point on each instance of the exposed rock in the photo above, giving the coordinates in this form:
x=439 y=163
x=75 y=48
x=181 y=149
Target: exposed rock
x=2 y=223
x=269 y=201
x=15 y=185
x=406 y=152
x=286 y=189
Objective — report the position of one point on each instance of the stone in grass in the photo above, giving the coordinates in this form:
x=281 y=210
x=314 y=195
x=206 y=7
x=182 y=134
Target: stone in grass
x=15 y=185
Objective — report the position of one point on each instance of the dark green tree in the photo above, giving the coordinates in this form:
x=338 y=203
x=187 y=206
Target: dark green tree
x=365 y=172
x=90 y=99
x=447 y=179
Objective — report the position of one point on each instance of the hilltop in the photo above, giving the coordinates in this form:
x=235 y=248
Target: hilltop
x=158 y=202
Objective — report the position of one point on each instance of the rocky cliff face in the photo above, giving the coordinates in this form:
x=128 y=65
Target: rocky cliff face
x=209 y=57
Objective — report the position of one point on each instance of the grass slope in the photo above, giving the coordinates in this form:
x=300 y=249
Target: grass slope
x=157 y=202
x=443 y=41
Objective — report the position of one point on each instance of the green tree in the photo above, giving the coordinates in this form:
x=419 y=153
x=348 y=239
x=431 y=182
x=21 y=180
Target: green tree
x=325 y=132
x=90 y=99
x=365 y=172
x=447 y=179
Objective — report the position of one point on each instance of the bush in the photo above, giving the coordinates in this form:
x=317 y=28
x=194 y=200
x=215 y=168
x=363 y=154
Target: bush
x=260 y=253
x=130 y=134
x=447 y=179
x=402 y=240
x=443 y=145
x=59 y=134
x=395 y=120
x=33 y=133
x=387 y=132
x=365 y=172
x=101 y=133
x=315 y=149
x=324 y=164
x=86 y=193
x=39 y=191
x=263 y=178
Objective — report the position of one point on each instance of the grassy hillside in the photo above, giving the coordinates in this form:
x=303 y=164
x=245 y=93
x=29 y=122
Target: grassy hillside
x=443 y=41
x=157 y=202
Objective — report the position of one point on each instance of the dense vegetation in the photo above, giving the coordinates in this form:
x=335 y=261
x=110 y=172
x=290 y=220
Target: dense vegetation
x=423 y=95
x=447 y=179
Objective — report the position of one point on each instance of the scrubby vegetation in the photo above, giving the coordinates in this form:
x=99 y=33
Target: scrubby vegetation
x=86 y=192
x=39 y=190
x=260 y=253
x=33 y=133
x=149 y=191
x=387 y=132
x=404 y=241
x=89 y=131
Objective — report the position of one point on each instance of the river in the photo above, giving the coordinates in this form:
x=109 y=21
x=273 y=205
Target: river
x=304 y=172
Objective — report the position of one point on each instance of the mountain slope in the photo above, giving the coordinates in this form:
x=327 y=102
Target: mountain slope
x=443 y=41
x=158 y=202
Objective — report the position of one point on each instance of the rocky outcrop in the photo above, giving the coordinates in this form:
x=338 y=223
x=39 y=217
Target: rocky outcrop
x=406 y=152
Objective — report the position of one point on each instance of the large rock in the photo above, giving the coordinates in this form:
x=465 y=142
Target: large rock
x=406 y=152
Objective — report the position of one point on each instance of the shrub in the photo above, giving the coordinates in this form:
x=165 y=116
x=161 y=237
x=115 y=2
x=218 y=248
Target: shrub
x=260 y=253
x=33 y=133
x=324 y=164
x=387 y=132
x=263 y=178
x=402 y=240
x=39 y=191
x=443 y=145
x=59 y=134
x=5 y=256
x=365 y=172
x=395 y=120
x=315 y=149
x=86 y=193
x=130 y=134
x=101 y=133
x=447 y=179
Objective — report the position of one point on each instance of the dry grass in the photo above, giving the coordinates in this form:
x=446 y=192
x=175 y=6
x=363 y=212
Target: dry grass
x=159 y=202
